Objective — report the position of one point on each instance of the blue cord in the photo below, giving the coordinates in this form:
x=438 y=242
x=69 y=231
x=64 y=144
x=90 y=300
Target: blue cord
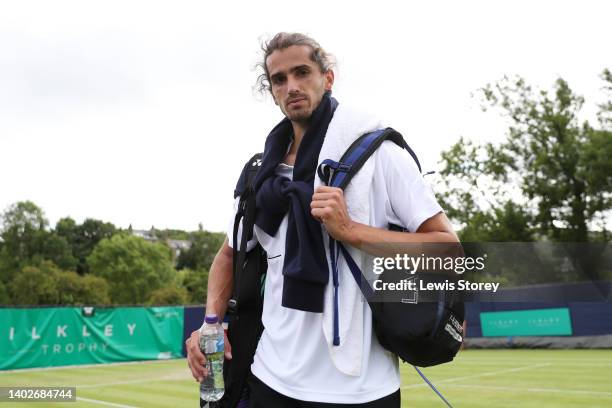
x=433 y=387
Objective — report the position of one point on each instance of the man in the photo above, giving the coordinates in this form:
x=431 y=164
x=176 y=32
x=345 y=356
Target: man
x=318 y=348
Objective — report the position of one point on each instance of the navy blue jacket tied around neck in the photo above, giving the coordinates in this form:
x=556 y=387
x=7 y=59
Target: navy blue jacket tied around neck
x=305 y=268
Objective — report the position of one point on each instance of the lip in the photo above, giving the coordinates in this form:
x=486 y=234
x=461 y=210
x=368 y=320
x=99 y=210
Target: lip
x=295 y=100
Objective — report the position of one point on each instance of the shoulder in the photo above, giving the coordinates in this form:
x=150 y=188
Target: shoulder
x=393 y=158
x=349 y=122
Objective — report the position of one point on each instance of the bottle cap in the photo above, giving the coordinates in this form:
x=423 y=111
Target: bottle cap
x=211 y=319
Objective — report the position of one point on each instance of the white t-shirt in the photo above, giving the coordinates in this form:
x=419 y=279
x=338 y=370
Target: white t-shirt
x=292 y=356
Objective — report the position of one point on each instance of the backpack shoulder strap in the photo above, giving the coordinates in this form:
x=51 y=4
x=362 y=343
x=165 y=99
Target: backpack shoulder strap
x=247 y=176
x=244 y=190
x=339 y=174
x=244 y=215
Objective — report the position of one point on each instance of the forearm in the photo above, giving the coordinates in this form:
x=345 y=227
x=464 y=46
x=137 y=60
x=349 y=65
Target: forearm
x=383 y=242
x=220 y=282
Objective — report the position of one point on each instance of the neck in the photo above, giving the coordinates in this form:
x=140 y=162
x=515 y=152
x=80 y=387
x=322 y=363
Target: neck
x=299 y=129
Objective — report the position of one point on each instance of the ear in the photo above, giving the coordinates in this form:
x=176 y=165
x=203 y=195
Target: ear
x=329 y=79
x=273 y=97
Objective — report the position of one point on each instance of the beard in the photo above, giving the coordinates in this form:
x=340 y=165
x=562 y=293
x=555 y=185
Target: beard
x=300 y=115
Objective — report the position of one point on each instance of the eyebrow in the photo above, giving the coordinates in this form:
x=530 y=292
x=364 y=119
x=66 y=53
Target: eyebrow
x=292 y=69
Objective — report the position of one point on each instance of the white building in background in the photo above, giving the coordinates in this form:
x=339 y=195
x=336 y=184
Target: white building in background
x=177 y=245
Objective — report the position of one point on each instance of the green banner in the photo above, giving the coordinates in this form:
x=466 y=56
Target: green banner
x=49 y=337
x=537 y=322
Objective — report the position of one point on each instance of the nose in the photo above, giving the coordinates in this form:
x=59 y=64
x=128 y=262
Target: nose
x=292 y=85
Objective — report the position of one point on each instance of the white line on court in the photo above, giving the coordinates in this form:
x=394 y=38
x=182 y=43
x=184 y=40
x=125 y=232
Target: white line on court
x=584 y=361
x=549 y=390
x=108 y=404
x=119 y=363
x=139 y=381
x=469 y=377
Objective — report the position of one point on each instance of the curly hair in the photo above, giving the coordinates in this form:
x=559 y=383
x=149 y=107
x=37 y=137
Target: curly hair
x=280 y=41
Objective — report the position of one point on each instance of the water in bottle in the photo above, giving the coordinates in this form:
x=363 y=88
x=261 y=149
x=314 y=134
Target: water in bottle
x=212 y=345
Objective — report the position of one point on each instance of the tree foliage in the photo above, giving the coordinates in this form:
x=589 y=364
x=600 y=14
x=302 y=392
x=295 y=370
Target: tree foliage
x=551 y=177
x=5 y=299
x=46 y=284
x=74 y=289
x=83 y=238
x=132 y=266
x=35 y=286
x=26 y=241
x=171 y=295
x=201 y=254
x=195 y=282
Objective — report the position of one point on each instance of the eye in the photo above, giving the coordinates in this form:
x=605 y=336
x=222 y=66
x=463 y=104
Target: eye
x=278 y=79
x=302 y=71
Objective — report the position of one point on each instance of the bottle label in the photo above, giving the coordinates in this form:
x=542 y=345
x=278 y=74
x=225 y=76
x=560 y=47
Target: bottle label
x=219 y=345
x=210 y=346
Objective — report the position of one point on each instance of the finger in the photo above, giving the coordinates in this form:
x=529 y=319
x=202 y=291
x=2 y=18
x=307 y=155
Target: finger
x=195 y=357
x=323 y=196
x=228 y=348
x=197 y=371
x=326 y=189
x=320 y=213
x=194 y=348
x=323 y=204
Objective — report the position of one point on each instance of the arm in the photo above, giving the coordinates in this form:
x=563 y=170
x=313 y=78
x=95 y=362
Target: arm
x=329 y=207
x=220 y=282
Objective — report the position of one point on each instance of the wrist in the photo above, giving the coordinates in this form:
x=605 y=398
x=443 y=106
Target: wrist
x=353 y=234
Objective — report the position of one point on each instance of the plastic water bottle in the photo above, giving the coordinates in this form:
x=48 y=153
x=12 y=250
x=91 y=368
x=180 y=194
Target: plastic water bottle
x=212 y=346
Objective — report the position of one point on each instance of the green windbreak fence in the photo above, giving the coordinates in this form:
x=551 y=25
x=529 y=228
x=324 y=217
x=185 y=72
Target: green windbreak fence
x=49 y=337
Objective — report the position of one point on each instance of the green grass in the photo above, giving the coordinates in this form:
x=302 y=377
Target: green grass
x=492 y=378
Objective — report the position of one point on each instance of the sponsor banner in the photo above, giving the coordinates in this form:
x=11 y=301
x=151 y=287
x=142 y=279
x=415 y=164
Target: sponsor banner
x=538 y=322
x=47 y=337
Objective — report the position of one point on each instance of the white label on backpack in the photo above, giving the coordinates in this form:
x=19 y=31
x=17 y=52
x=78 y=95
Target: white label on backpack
x=453 y=333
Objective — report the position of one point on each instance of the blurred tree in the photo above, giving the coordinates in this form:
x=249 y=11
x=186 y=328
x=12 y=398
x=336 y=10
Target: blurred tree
x=7 y=266
x=605 y=109
x=35 y=285
x=83 y=238
x=132 y=266
x=56 y=249
x=26 y=241
x=170 y=295
x=5 y=299
x=46 y=284
x=204 y=247
x=195 y=282
x=21 y=225
x=74 y=289
x=551 y=177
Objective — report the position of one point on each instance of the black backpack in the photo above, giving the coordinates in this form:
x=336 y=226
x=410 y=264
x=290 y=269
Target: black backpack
x=245 y=306
x=422 y=333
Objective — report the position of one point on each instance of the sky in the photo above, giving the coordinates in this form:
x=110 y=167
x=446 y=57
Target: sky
x=143 y=112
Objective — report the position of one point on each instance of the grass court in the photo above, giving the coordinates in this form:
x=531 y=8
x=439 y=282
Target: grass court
x=477 y=378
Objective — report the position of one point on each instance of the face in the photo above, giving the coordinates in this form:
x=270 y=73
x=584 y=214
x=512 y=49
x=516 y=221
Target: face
x=297 y=83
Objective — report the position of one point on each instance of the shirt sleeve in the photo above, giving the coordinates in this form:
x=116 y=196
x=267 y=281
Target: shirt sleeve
x=230 y=230
x=411 y=198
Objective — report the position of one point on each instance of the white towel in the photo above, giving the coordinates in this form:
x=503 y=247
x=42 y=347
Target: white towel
x=345 y=127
